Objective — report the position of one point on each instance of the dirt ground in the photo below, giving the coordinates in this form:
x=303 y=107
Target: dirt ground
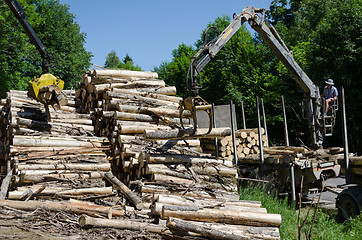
x=40 y=224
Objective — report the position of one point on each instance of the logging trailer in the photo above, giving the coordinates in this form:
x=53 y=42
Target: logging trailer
x=320 y=125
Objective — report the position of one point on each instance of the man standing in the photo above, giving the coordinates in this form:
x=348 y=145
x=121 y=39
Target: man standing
x=330 y=93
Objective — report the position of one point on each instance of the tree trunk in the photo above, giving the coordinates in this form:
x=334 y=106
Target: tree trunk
x=66 y=166
x=131 y=196
x=76 y=208
x=5 y=185
x=233 y=231
x=14 y=195
x=205 y=231
x=186 y=134
x=86 y=221
x=225 y=216
x=124 y=73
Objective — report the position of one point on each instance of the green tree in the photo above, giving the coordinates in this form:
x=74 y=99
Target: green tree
x=336 y=52
x=58 y=31
x=174 y=72
x=127 y=58
x=325 y=37
x=112 y=60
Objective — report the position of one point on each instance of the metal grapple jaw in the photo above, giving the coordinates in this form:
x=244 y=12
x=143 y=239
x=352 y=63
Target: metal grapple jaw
x=195 y=104
x=47 y=89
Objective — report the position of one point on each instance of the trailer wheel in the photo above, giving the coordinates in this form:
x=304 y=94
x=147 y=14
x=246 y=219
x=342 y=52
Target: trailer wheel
x=347 y=207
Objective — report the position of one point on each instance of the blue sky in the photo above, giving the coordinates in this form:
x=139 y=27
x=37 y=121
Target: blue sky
x=148 y=30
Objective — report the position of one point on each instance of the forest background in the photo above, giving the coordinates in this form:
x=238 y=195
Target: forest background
x=325 y=37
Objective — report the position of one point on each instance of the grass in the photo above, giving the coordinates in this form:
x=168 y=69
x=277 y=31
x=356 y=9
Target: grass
x=324 y=227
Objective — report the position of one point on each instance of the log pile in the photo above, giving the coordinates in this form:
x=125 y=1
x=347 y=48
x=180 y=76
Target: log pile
x=168 y=186
x=50 y=158
x=356 y=165
x=150 y=154
x=247 y=142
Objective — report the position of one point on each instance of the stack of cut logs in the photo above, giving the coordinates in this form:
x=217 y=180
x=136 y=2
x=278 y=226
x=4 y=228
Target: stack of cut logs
x=157 y=168
x=61 y=149
x=356 y=166
x=131 y=107
x=247 y=142
x=139 y=115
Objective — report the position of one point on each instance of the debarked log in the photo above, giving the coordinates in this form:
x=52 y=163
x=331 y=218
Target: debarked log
x=86 y=221
x=27 y=179
x=138 y=98
x=222 y=231
x=215 y=170
x=173 y=204
x=167 y=91
x=173 y=199
x=134 y=116
x=151 y=110
x=137 y=83
x=76 y=208
x=124 y=73
x=227 y=216
x=38 y=142
x=157 y=177
x=51 y=126
x=140 y=129
x=13 y=195
x=203 y=230
x=131 y=196
x=66 y=166
x=186 y=134
x=177 y=158
x=5 y=185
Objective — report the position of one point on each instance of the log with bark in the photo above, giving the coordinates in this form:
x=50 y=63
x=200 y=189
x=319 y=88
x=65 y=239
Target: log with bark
x=222 y=231
x=14 y=195
x=131 y=196
x=186 y=134
x=76 y=208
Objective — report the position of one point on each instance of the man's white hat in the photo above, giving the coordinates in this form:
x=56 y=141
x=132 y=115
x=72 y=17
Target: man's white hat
x=330 y=81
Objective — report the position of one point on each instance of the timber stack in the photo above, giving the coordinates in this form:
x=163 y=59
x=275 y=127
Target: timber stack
x=170 y=187
x=247 y=142
x=40 y=151
x=151 y=155
x=302 y=156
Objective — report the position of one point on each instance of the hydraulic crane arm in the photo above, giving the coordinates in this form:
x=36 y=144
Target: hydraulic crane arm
x=270 y=36
x=255 y=17
x=47 y=88
x=20 y=14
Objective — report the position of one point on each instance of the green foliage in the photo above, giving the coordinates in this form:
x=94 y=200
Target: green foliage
x=270 y=201
x=333 y=29
x=113 y=62
x=282 y=11
x=58 y=31
x=324 y=227
x=174 y=72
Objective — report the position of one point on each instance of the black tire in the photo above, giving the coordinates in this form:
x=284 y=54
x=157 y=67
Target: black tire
x=347 y=207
